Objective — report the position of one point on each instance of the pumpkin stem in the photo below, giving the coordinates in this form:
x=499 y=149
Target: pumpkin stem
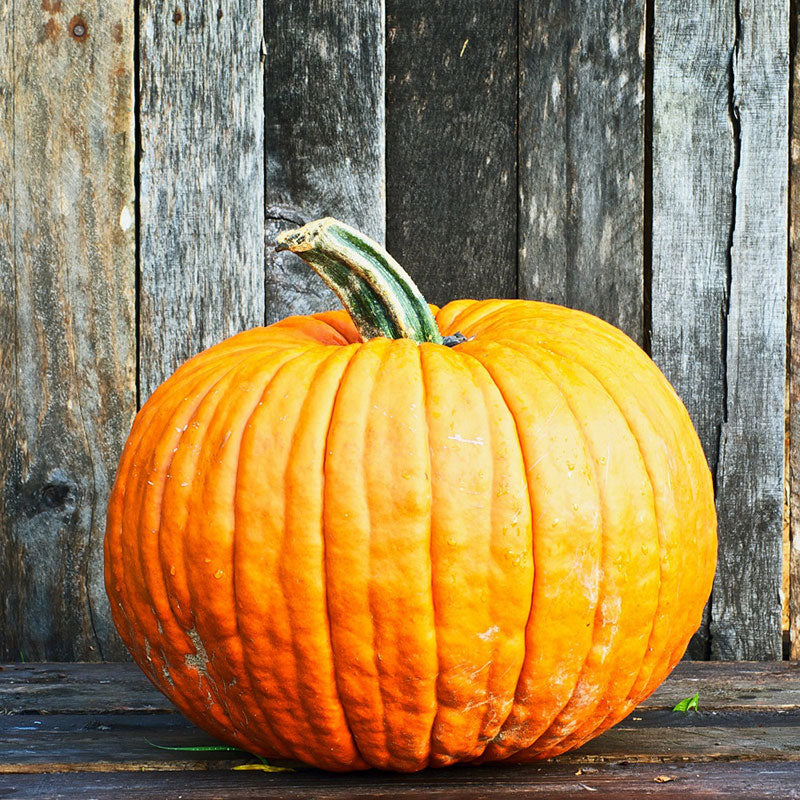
x=376 y=291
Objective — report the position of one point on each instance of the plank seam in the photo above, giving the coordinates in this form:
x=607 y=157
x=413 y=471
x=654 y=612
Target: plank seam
x=647 y=178
x=137 y=215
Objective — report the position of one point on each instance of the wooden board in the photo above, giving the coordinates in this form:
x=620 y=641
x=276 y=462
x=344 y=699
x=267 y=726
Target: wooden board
x=794 y=348
x=744 y=742
x=121 y=688
x=451 y=107
x=201 y=189
x=718 y=296
x=112 y=742
x=751 y=780
x=324 y=110
x=67 y=345
x=746 y=603
x=581 y=157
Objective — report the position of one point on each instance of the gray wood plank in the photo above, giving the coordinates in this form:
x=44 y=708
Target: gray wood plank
x=718 y=292
x=451 y=106
x=581 y=157
x=324 y=90
x=746 y=601
x=118 y=688
x=749 y=780
x=201 y=179
x=122 y=742
x=67 y=343
x=794 y=348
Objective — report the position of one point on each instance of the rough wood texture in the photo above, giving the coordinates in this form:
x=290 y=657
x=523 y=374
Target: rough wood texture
x=67 y=339
x=451 y=106
x=743 y=743
x=581 y=157
x=794 y=348
x=718 y=296
x=753 y=780
x=201 y=179
x=109 y=742
x=746 y=602
x=324 y=133
x=118 y=688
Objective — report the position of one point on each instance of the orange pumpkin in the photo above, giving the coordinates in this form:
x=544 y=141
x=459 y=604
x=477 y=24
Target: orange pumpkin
x=344 y=540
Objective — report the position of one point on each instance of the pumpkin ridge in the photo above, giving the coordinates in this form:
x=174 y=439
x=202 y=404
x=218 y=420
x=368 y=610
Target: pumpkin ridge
x=471 y=358
x=580 y=734
x=475 y=318
x=243 y=671
x=600 y=584
x=552 y=737
x=306 y=703
x=334 y=397
x=339 y=666
x=662 y=534
x=253 y=368
x=397 y=758
x=689 y=456
x=436 y=645
x=128 y=499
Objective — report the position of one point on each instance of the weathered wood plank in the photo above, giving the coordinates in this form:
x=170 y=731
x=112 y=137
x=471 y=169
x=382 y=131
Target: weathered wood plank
x=118 y=688
x=201 y=179
x=754 y=780
x=794 y=347
x=718 y=296
x=324 y=133
x=118 y=742
x=746 y=604
x=693 y=162
x=731 y=781
x=68 y=339
x=451 y=105
x=581 y=157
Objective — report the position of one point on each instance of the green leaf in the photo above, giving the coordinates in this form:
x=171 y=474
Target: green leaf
x=688 y=704
x=264 y=765
x=211 y=748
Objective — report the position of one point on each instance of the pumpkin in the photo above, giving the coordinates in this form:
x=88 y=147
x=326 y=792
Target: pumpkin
x=397 y=536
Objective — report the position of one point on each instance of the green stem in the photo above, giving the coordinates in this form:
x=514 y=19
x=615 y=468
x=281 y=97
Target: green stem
x=376 y=291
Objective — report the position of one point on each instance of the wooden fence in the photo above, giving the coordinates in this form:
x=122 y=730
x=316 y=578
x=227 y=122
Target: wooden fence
x=630 y=158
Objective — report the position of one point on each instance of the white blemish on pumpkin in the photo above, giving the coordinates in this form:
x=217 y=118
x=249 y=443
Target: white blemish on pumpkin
x=488 y=633
x=199 y=660
x=459 y=438
x=125 y=219
x=167 y=677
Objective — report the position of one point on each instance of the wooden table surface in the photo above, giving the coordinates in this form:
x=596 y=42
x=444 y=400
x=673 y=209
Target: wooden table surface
x=88 y=730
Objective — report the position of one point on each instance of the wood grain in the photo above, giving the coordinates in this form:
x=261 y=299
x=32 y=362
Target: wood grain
x=121 y=688
x=718 y=292
x=749 y=780
x=324 y=133
x=693 y=163
x=581 y=157
x=201 y=117
x=746 y=602
x=451 y=107
x=68 y=341
x=794 y=347
x=743 y=743
x=114 y=742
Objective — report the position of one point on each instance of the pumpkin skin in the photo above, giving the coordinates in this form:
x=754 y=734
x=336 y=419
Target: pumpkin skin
x=395 y=554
